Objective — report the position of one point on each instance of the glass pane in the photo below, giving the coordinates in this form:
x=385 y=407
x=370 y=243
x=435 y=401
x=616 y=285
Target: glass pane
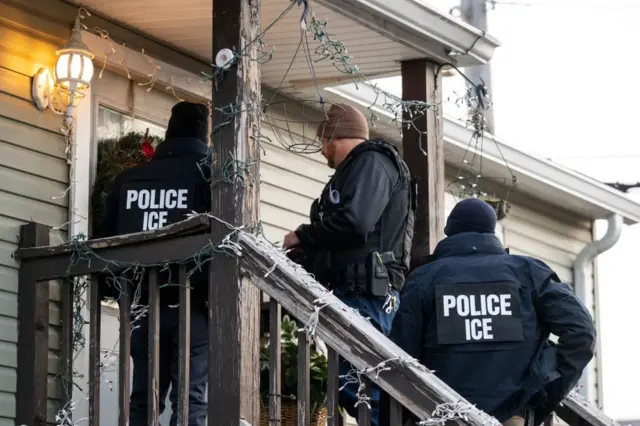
x=154 y=130
x=113 y=124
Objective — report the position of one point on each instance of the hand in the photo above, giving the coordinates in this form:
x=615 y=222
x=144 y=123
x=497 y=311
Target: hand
x=290 y=240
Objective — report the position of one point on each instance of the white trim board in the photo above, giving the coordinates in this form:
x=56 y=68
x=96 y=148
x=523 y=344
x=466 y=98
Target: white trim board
x=79 y=206
x=417 y=24
x=537 y=176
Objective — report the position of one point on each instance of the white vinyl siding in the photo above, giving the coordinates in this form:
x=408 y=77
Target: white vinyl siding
x=33 y=176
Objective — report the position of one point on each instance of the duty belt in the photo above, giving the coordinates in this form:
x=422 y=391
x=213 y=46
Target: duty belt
x=351 y=280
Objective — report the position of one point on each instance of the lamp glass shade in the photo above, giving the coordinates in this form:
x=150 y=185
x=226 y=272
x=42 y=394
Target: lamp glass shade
x=74 y=67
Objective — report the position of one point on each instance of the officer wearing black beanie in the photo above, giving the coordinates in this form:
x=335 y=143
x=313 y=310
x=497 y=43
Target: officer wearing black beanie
x=150 y=196
x=188 y=120
x=471 y=215
x=481 y=318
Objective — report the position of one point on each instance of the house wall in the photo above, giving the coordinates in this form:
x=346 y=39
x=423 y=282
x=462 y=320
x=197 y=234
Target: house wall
x=33 y=170
x=290 y=182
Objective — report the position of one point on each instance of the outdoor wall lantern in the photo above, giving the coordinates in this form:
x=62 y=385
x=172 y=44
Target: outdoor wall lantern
x=73 y=73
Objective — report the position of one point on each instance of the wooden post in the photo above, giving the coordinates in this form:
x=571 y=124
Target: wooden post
x=33 y=335
x=234 y=303
x=420 y=83
x=474 y=12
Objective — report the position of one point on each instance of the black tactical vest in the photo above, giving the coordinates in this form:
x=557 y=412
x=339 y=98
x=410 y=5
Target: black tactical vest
x=348 y=265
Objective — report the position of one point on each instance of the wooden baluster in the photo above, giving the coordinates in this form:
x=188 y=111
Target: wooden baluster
x=395 y=412
x=126 y=297
x=154 y=348
x=304 y=391
x=95 y=316
x=333 y=385
x=66 y=339
x=184 y=336
x=364 y=412
x=275 y=385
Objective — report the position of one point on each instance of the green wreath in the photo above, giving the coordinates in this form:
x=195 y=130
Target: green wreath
x=114 y=157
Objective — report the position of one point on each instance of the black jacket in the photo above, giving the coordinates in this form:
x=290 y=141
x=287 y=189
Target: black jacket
x=365 y=207
x=173 y=183
x=509 y=365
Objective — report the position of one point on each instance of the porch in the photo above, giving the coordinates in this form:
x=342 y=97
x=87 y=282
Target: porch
x=367 y=28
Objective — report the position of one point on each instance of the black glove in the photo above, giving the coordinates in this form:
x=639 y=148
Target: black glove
x=301 y=257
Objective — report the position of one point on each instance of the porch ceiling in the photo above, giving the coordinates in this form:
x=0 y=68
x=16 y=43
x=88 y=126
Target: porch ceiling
x=187 y=25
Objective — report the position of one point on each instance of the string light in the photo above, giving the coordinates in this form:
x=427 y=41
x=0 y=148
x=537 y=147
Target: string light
x=446 y=412
x=405 y=113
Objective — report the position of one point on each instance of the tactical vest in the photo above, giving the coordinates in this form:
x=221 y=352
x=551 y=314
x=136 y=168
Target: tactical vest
x=350 y=262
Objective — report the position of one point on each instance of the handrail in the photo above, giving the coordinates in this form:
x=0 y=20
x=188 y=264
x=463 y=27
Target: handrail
x=193 y=225
x=168 y=244
x=577 y=410
x=342 y=329
x=411 y=384
x=350 y=334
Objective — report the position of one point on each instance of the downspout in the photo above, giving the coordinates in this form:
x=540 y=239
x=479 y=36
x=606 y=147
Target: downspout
x=581 y=269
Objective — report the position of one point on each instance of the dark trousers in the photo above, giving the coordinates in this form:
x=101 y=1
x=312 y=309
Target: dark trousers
x=198 y=371
x=372 y=308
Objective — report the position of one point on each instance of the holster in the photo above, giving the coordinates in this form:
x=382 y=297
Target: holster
x=378 y=282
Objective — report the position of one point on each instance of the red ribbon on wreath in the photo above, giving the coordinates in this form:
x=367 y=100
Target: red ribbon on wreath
x=147 y=148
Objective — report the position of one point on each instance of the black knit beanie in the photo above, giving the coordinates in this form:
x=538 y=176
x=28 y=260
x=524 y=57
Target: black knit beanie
x=188 y=120
x=471 y=215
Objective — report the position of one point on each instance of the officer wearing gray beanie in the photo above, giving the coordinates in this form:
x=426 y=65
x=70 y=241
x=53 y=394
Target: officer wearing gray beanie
x=358 y=240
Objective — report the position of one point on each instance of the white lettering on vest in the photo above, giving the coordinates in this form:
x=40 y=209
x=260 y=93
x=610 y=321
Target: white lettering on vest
x=155 y=200
x=449 y=302
x=492 y=300
x=476 y=306
x=505 y=304
x=154 y=220
x=152 y=199
x=478 y=312
x=478 y=329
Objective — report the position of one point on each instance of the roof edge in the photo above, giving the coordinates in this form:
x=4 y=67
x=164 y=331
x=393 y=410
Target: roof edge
x=551 y=174
x=422 y=27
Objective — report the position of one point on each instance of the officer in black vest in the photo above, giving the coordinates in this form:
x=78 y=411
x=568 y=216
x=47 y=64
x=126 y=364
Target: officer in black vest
x=147 y=197
x=481 y=319
x=359 y=239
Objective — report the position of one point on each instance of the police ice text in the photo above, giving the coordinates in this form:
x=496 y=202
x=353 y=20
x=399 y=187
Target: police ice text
x=155 y=204
x=478 y=306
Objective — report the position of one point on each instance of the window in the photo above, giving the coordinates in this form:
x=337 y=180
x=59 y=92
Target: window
x=112 y=124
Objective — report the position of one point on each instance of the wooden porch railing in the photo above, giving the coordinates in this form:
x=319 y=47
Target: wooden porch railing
x=345 y=332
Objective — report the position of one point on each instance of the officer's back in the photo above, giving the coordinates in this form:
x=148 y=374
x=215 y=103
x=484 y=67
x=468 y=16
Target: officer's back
x=483 y=320
x=165 y=189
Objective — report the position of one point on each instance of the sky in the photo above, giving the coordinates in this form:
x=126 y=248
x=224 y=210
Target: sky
x=562 y=89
